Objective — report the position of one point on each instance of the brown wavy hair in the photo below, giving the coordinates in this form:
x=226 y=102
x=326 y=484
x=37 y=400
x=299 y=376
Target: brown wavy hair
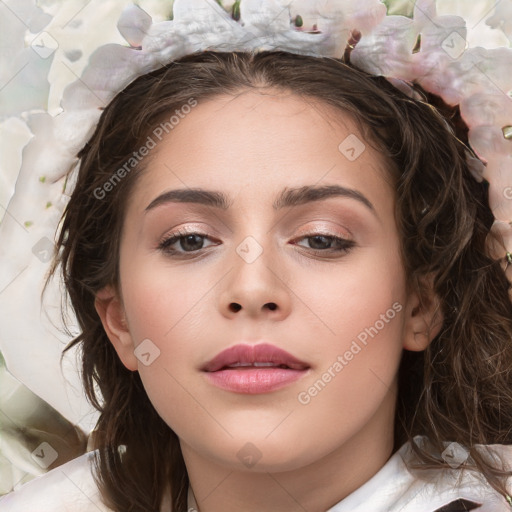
x=458 y=389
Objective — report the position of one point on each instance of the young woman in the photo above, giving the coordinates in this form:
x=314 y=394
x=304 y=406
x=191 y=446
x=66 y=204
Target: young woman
x=279 y=266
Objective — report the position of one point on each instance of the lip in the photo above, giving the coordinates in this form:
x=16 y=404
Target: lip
x=245 y=377
x=250 y=354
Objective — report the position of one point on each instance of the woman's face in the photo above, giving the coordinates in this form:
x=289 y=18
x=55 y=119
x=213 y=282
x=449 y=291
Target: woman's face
x=302 y=253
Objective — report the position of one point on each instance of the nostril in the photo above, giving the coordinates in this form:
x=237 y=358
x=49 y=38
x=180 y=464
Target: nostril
x=236 y=307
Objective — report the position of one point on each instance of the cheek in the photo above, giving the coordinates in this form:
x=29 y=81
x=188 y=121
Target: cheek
x=170 y=308
x=360 y=355
x=361 y=324
x=159 y=300
x=360 y=298
x=160 y=307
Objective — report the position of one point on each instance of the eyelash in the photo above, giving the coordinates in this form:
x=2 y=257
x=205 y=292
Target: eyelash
x=166 y=243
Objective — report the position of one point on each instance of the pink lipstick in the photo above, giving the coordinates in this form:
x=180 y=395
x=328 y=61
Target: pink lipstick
x=254 y=369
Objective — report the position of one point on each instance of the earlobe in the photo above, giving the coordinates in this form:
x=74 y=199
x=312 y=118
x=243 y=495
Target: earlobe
x=111 y=312
x=423 y=319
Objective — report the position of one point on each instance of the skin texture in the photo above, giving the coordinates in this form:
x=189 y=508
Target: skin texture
x=311 y=455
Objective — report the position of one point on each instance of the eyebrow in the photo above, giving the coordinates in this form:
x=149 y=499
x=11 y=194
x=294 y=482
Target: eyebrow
x=288 y=197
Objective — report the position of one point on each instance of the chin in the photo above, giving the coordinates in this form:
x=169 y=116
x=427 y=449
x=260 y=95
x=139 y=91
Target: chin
x=261 y=454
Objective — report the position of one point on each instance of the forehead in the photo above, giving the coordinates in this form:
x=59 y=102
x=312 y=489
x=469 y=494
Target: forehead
x=261 y=140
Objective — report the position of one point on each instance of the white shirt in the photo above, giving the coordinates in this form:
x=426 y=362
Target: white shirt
x=394 y=488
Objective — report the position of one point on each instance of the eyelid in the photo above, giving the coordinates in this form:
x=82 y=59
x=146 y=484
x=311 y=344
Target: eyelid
x=327 y=231
x=187 y=229
x=179 y=232
x=209 y=232
x=307 y=224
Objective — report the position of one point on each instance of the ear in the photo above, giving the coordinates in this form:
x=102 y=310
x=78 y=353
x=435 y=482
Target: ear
x=111 y=312
x=423 y=316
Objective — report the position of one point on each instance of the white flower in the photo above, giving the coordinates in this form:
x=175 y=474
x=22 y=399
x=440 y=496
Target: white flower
x=502 y=18
x=487 y=108
x=388 y=49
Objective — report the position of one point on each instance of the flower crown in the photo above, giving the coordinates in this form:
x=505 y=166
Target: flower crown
x=427 y=49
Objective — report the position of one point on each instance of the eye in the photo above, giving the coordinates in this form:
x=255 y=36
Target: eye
x=325 y=243
x=185 y=242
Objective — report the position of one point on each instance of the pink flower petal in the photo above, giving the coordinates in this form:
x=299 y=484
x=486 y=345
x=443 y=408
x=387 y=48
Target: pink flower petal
x=133 y=24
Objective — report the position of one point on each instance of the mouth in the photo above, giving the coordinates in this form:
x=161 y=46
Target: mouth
x=249 y=357
x=254 y=369
x=259 y=364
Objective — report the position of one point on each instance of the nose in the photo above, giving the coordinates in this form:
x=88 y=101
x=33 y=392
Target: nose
x=256 y=288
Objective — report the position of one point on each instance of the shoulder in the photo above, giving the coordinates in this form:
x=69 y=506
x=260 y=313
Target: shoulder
x=69 y=487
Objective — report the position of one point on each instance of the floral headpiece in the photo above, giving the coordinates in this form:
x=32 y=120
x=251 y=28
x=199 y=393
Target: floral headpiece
x=427 y=49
